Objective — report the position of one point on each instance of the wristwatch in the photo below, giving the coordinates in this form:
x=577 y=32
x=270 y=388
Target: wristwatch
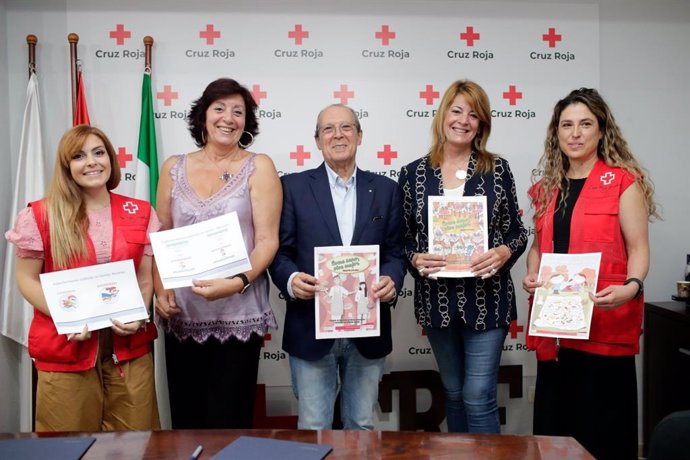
x=245 y=280
x=640 y=286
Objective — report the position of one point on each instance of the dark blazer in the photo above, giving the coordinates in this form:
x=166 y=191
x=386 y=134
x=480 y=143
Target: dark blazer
x=309 y=220
x=481 y=304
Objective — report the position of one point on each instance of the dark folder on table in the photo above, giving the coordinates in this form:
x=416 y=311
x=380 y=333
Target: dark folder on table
x=72 y=448
x=251 y=448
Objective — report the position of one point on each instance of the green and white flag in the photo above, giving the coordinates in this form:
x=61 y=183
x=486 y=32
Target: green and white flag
x=147 y=152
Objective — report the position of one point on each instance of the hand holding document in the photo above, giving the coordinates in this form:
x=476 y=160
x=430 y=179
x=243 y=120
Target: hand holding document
x=207 y=250
x=93 y=296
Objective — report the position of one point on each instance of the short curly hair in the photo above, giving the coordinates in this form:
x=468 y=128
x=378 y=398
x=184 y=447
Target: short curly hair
x=220 y=88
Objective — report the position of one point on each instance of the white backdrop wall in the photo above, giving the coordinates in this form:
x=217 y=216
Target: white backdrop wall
x=643 y=75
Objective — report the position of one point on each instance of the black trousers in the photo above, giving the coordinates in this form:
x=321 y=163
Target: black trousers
x=592 y=398
x=212 y=384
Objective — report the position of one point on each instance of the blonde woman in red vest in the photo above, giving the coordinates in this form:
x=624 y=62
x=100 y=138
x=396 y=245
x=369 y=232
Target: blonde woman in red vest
x=90 y=381
x=593 y=196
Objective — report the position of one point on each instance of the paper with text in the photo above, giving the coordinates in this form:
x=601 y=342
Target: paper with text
x=93 y=295
x=210 y=249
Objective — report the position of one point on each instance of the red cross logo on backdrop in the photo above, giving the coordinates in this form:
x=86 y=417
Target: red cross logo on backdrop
x=123 y=157
x=607 y=178
x=119 y=34
x=344 y=94
x=469 y=35
x=300 y=155
x=210 y=34
x=267 y=338
x=257 y=94
x=512 y=95
x=429 y=94
x=387 y=154
x=552 y=37
x=167 y=95
x=514 y=329
x=130 y=207
x=298 y=34
x=385 y=35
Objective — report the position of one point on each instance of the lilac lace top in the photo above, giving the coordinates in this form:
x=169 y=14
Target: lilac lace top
x=238 y=315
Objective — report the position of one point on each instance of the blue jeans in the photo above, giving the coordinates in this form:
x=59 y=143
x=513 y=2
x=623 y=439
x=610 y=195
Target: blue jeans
x=315 y=384
x=468 y=361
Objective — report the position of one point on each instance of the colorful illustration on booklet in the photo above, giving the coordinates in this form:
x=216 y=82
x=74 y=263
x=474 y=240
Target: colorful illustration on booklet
x=563 y=304
x=344 y=306
x=458 y=231
x=109 y=294
x=69 y=302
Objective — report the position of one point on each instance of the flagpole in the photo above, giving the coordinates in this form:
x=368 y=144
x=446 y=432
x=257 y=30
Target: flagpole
x=27 y=374
x=73 y=39
x=145 y=189
x=148 y=44
x=31 y=41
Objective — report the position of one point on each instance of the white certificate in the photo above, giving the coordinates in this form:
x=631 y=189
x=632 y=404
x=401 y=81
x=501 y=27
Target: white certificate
x=207 y=250
x=93 y=295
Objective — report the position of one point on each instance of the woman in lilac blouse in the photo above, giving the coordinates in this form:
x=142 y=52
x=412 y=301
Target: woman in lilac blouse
x=214 y=330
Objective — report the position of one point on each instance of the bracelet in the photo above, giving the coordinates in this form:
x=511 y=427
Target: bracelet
x=640 y=286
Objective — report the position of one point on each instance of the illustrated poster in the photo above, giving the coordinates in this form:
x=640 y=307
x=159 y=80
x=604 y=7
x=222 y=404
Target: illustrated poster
x=563 y=306
x=344 y=304
x=457 y=230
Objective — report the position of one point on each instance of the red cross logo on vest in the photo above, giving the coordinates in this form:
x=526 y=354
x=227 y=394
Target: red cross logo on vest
x=130 y=207
x=607 y=178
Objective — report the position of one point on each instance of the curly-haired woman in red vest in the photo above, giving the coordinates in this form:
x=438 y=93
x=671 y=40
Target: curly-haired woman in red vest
x=593 y=196
x=100 y=380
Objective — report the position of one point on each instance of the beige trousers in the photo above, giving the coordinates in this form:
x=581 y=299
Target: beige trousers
x=99 y=399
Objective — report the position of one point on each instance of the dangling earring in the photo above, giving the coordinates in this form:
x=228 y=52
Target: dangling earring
x=203 y=136
x=251 y=141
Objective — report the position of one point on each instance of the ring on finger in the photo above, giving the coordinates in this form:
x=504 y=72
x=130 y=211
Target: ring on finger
x=421 y=270
x=493 y=269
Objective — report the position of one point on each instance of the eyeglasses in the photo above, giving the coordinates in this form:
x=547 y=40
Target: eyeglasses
x=345 y=128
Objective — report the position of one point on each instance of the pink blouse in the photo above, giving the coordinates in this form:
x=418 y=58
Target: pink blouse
x=26 y=237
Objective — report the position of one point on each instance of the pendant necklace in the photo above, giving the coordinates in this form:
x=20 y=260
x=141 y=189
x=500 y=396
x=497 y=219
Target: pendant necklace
x=461 y=174
x=225 y=175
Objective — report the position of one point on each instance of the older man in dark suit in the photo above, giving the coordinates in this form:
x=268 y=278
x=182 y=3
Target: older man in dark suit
x=336 y=204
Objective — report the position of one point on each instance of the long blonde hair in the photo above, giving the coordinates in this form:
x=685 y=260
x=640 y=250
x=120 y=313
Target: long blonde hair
x=65 y=206
x=612 y=149
x=479 y=102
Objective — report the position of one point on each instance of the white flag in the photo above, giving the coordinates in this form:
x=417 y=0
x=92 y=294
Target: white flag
x=15 y=312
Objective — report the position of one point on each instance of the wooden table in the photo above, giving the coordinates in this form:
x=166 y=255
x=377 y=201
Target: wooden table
x=346 y=444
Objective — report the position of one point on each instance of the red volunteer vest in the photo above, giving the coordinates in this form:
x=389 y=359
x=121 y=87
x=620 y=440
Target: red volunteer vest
x=595 y=227
x=51 y=351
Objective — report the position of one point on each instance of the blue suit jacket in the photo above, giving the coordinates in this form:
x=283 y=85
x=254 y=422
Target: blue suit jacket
x=309 y=220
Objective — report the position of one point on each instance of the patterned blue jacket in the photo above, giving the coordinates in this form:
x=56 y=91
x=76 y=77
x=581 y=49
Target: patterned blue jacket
x=481 y=304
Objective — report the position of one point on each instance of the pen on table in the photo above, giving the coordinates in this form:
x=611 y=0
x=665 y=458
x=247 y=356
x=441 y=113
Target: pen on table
x=197 y=452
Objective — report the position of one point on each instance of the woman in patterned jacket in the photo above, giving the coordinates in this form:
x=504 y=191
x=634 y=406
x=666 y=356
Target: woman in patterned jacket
x=466 y=319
